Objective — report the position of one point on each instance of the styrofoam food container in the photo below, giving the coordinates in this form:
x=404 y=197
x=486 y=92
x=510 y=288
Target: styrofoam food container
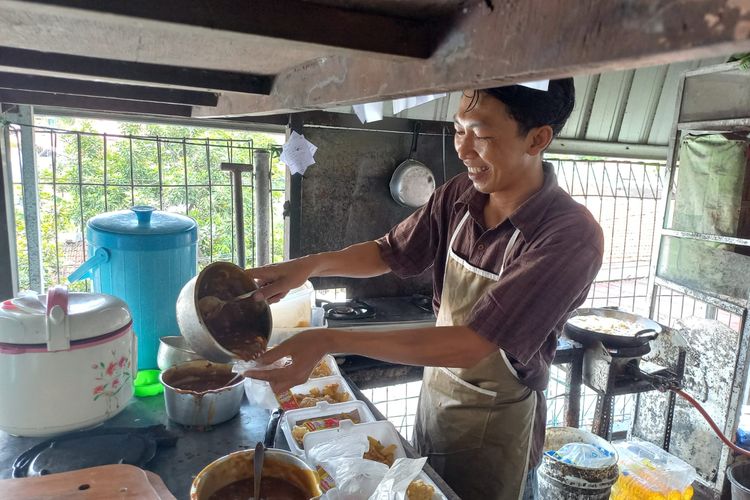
x=321 y=410
x=381 y=430
x=330 y=361
x=321 y=382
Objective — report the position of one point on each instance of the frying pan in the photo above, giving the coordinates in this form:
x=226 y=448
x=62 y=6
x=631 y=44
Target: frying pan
x=412 y=182
x=648 y=329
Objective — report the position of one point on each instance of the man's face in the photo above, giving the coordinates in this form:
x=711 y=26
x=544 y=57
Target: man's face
x=488 y=141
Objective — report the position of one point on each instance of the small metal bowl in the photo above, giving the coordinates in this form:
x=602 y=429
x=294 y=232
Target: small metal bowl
x=173 y=351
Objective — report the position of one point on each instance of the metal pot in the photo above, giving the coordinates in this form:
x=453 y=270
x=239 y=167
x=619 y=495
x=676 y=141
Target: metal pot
x=239 y=465
x=201 y=408
x=192 y=324
x=174 y=350
x=412 y=183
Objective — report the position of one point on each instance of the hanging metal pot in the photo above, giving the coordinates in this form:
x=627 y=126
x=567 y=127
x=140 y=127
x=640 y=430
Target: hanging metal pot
x=412 y=183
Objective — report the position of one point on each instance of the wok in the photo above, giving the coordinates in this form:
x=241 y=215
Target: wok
x=647 y=331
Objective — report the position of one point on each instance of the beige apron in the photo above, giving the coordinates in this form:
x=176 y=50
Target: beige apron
x=475 y=424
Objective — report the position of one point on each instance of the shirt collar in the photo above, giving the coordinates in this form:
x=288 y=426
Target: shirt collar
x=528 y=216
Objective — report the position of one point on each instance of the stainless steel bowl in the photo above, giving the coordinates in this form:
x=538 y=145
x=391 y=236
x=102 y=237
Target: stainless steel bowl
x=239 y=465
x=191 y=323
x=201 y=408
x=173 y=351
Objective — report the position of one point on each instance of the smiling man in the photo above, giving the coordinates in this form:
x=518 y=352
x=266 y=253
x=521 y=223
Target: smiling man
x=512 y=255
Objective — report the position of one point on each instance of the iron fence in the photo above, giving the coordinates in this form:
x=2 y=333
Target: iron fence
x=81 y=173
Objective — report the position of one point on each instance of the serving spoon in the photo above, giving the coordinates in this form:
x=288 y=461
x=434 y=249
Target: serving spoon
x=260 y=451
x=211 y=305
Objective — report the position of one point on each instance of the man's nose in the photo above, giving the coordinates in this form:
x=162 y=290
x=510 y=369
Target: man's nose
x=465 y=147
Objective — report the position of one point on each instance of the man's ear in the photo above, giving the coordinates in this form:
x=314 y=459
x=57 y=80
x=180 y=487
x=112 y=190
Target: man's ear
x=539 y=140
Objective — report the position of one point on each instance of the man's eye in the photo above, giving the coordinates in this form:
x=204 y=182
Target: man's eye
x=460 y=132
x=484 y=138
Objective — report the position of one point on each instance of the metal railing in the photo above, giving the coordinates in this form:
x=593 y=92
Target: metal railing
x=81 y=173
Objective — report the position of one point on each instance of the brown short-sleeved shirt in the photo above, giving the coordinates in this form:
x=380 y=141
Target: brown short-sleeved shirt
x=547 y=275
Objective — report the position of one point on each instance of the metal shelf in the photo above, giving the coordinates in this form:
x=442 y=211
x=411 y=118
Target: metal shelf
x=717 y=238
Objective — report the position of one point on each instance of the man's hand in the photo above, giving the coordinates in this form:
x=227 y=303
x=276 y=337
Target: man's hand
x=306 y=349
x=276 y=280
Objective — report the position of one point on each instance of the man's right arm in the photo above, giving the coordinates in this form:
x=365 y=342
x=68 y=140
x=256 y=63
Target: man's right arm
x=362 y=260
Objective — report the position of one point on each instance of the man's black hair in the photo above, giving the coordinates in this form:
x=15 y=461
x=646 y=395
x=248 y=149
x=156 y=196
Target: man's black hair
x=532 y=108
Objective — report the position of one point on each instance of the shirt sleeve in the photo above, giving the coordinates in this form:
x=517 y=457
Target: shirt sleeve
x=410 y=247
x=534 y=293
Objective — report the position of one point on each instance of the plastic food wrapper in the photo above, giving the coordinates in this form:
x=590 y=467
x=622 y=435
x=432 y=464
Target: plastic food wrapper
x=398 y=478
x=259 y=392
x=584 y=455
x=243 y=366
x=646 y=470
x=352 y=446
x=354 y=479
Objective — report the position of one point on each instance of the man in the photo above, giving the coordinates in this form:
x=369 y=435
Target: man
x=512 y=255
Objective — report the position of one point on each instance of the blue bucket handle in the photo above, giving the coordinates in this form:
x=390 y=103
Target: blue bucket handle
x=101 y=255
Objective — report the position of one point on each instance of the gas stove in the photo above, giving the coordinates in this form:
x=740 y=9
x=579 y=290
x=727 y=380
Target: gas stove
x=412 y=311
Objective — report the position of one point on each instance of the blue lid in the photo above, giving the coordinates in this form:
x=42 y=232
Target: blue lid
x=142 y=228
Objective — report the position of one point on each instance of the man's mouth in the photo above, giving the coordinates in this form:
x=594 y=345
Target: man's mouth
x=477 y=170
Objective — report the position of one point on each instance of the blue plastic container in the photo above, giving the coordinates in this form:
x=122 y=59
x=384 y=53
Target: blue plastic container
x=144 y=257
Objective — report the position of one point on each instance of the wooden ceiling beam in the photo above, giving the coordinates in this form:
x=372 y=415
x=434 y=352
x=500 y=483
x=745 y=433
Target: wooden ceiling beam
x=92 y=103
x=503 y=42
x=126 y=71
x=292 y=20
x=16 y=81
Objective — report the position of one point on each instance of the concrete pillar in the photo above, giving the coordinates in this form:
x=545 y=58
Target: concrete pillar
x=262 y=191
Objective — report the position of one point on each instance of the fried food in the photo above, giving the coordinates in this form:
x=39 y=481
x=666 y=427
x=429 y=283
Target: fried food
x=315 y=424
x=330 y=393
x=321 y=370
x=379 y=453
x=419 y=490
x=601 y=324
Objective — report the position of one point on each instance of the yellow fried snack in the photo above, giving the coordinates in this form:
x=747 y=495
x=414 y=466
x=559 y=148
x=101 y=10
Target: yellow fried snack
x=419 y=490
x=321 y=370
x=330 y=393
x=379 y=453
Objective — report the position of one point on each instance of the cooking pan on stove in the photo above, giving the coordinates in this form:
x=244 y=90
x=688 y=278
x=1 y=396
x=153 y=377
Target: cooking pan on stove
x=646 y=329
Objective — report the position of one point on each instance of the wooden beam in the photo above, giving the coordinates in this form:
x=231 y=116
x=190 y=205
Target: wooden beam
x=16 y=81
x=124 y=71
x=294 y=20
x=92 y=103
x=513 y=42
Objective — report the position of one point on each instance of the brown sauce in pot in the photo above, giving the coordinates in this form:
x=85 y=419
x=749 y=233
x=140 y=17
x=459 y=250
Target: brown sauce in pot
x=240 y=327
x=201 y=381
x=271 y=488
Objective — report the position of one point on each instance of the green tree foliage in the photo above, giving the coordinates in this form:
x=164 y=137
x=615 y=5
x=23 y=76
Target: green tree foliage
x=88 y=167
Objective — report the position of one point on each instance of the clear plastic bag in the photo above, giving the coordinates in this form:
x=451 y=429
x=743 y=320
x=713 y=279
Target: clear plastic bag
x=355 y=479
x=259 y=392
x=584 y=455
x=351 y=446
x=398 y=478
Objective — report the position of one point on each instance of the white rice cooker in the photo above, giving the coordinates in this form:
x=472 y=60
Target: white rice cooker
x=67 y=361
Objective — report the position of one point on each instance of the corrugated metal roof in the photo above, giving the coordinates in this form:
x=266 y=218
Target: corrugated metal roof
x=614 y=111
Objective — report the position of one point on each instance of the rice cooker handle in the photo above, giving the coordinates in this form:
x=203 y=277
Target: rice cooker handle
x=58 y=328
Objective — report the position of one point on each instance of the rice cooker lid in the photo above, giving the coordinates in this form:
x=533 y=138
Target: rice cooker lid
x=142 y=228
x=23 y=320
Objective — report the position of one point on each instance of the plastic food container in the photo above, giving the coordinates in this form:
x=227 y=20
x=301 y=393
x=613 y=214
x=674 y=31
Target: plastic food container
x=294 y=310
x=321 y=410
x=320 y=383
x=647 y=471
